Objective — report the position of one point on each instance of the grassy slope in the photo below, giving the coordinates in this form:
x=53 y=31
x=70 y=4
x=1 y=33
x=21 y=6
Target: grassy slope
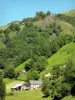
x=70 y=13
x=67 y=28
x=61 y=57
x=69 y=98
x=28 y=95
x=42 y=23
x=21 y=67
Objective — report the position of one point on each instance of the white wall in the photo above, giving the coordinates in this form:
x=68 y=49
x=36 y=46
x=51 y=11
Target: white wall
x=35 y=86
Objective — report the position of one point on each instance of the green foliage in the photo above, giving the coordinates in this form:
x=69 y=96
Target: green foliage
x=69 y=19
x=9 y=72
x=37 y=63
x=48 y=13
x=61 y=82
x=40 y=15
x=69 y=73
x=46 y=87
x=7 y=31
x=1 y=31
x=14 y=27
x=33 y=75
x=54 y=47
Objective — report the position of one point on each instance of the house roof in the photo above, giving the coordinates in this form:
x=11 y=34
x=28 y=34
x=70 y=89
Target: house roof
x=17 y=85
x=35 y=82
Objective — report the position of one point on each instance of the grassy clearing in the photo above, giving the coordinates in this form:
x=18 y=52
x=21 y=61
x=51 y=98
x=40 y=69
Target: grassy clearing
x=23 y=77
x=12 y=34
x=42 y=23
x=28 y=95
x=61 y=57
x=21 y=68
x=66 y=27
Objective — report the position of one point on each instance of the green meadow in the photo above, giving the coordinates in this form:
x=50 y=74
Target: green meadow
x=28 y=95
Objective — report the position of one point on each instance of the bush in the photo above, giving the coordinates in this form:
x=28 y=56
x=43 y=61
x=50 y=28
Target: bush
x=14 y=27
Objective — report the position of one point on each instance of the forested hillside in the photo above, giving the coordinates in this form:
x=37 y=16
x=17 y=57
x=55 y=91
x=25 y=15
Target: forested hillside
x=36 y=38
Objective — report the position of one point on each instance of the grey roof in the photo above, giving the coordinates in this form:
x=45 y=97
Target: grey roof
x=35 y=82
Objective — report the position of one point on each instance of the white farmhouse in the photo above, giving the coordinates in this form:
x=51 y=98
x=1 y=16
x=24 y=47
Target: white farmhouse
x=34 y=84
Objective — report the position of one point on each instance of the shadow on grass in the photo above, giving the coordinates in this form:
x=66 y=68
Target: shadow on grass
x=45 y=96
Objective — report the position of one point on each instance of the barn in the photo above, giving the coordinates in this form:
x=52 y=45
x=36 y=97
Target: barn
x=18 y=87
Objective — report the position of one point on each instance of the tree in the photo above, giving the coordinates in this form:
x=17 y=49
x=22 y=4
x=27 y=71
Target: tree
x=2 y=88
x=14 y=27
x=48 y=13
x=7 y=31
x=35 y=75
x=56 y=71
x=54 y=47
x=40 y=63
x=29 y=65
x=28 y=24
x=9 y=72
x=40 y=15
x=32 y=75
x=69 y=72
x=46 y=87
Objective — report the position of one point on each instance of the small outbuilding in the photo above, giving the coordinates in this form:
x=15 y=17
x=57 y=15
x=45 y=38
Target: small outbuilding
x=18 y=87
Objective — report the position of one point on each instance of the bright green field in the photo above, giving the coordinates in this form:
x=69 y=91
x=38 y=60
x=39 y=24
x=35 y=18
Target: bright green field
x=61 y=57
x=69 y=98
x=32 y=95
x=28 y=95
